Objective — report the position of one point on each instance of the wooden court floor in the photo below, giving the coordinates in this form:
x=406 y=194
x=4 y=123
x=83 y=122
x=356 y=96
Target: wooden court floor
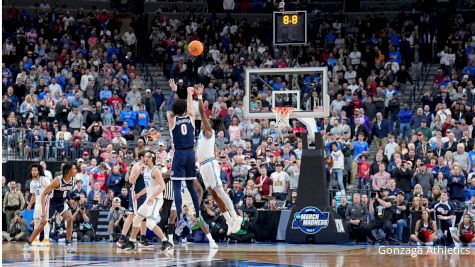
x=106 y=254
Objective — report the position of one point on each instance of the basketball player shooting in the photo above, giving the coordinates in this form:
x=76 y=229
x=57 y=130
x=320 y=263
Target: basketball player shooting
x=181 y=122
x=209 y=168
x=61 y=187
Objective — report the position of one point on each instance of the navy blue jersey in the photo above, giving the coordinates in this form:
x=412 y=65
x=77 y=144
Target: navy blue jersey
x=60 y=195
x=139 y=184
x=183 y=133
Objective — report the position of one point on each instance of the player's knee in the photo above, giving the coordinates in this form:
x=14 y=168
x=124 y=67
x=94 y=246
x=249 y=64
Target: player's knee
x=137 y=221
x=151 y=223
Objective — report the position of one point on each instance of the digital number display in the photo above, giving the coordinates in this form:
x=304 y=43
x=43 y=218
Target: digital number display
x=290 y=28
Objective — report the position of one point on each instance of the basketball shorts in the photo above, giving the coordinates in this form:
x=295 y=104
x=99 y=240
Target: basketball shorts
x=37 y=211
x=210 y=172
x=55 y=208
x=183 y=165
x=134 y=205
x=152 y=211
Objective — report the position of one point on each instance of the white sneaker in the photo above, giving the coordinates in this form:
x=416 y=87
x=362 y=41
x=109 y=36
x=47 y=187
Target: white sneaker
x=70 y=248
x=36 y=243
x=419 y=244
x=213 y=245
x=27 y=247
x=237 y=224
x=430 y=243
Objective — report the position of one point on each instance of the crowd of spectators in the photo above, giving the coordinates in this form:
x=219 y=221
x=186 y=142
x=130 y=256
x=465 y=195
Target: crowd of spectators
x=72 y=91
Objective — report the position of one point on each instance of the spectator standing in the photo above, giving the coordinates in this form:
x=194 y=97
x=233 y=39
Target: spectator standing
x=280 y=183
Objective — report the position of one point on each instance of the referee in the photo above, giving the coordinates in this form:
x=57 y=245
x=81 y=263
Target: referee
x=168 y=213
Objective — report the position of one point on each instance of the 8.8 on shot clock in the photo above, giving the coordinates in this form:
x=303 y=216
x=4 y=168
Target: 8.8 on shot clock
x=290 y=28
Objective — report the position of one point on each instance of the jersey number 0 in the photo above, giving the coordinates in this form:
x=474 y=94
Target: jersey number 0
x=184 y=129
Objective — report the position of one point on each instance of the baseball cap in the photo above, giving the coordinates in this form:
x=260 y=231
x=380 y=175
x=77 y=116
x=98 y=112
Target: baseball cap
x=85 y=153
x=420 y=133
x=148 y=91
x=116 y=199
x=253 y=161
x=180 y=80
x=80 y=160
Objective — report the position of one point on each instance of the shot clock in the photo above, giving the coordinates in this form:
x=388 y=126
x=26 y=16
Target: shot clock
x=290 y=28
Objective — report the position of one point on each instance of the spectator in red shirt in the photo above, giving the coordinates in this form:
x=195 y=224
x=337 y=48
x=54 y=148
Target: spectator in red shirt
x=264 y=183
x=114 y=100
x=101 y=176
x=363 y=172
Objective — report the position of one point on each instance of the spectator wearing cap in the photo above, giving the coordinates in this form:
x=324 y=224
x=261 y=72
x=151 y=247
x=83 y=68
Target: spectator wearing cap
x=403 y=175
x=161 y=153
x=280 y=182
x=107 y=116
x=142 y=117
x=426 y=131
x=128 y=115
x=424 y=178
x=150 y=104
x=115 y=100
x=75 y=118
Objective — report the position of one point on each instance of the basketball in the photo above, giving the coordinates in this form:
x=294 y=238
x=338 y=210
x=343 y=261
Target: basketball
x=195 y=48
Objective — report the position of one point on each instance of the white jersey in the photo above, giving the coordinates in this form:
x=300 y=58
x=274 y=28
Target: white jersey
x=205 y=146
x=37 y=186
x=150 y=184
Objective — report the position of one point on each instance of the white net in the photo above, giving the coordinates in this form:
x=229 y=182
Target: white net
x=282 y=115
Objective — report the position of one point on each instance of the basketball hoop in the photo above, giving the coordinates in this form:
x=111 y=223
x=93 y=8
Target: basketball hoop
x=282 y=115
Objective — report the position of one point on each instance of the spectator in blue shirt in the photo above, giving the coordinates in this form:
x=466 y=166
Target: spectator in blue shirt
x=456 y=183
x=237 y=193
x=405 y=116
x=129 y=116
x=105 y=93
x=360 y=146
x=142 y=117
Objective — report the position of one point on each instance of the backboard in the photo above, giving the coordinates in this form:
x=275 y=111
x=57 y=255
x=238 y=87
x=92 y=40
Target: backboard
x=304 y=89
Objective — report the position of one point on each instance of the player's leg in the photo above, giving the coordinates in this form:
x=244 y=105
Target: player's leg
x=204 y=227
x=47 y=230
x=171 y=223
x=153 y=216
x=190 y=184
x=177 y=195
x=36 y=223
x=136 y=223
x=36 y=232
x=190 y=171
x=68 y=217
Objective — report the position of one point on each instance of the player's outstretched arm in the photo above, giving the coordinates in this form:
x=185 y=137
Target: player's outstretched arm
x=199 y=88
x=170 y=117
x=189 y=103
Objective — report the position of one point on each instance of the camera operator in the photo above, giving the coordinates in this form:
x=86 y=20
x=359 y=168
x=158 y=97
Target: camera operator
x=81 y=224
x=58 y=228
x=116 y=219
x=17 y=228
x=382 y=208
x=356 y=217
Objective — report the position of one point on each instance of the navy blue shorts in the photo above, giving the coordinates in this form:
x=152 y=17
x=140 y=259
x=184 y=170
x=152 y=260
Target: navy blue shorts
x=134 y=205
x=183 y=165
x=55 y=208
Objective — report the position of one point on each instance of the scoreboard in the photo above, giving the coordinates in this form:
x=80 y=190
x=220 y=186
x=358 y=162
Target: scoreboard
x=290 y=28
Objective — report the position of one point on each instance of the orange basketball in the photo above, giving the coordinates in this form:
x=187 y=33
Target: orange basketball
x=195 y=48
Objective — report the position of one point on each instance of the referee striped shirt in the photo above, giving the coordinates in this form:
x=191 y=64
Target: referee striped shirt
x=168 y=192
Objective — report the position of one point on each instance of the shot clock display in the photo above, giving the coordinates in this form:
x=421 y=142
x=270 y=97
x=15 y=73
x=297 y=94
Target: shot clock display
x=290 y=28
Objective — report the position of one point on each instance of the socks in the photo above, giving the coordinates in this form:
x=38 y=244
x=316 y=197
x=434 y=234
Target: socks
x=210 y=238
x=133 y=240
x=46 y=231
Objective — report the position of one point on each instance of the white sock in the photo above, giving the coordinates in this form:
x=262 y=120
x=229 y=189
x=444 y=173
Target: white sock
x=227 y=216
x=210 y=238
x=227 y=202
x=133 y=240
x=47 y=230
x=164 y=239
x=170 y=237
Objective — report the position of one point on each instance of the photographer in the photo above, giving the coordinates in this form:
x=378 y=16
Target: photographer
x=382 y=208
x=17 y=228
x=58 y=229
x=116 y=219
x=81 y=224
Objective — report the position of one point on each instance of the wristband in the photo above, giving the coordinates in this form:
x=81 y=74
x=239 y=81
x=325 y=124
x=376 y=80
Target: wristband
x=200 y=97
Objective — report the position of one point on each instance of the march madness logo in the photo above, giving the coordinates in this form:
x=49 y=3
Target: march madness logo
x=310 y=220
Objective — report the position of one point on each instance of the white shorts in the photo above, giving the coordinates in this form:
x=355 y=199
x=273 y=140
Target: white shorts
x=37 y=212
x=152 y=211
x=210 y=172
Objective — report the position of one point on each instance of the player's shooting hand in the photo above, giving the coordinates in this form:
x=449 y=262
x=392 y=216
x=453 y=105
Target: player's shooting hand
x=172 y=85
